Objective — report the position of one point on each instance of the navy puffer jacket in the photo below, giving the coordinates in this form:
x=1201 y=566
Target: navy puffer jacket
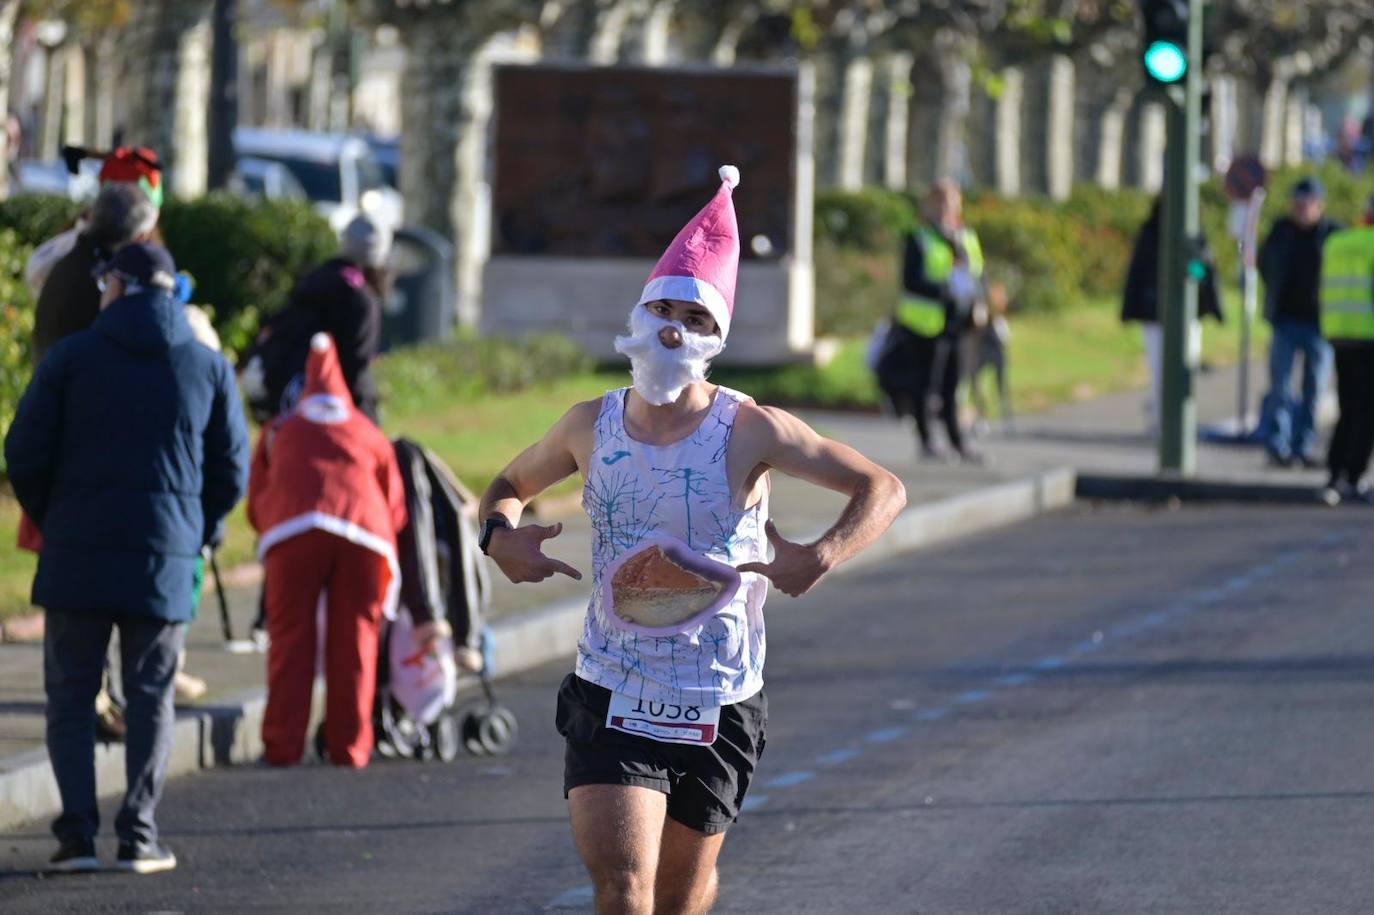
x=127 y=450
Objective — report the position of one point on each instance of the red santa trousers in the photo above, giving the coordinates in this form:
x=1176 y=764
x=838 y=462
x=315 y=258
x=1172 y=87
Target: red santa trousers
x=353 y=578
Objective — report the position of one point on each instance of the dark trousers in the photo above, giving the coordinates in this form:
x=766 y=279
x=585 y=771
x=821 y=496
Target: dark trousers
x=74 y=646
x=937 y=363
x=1353 y=439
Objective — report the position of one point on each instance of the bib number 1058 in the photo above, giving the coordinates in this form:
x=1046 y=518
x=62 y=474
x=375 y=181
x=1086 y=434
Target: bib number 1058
x=663 y=721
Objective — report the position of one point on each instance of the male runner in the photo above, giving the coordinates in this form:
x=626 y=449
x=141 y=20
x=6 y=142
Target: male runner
x=664 y=726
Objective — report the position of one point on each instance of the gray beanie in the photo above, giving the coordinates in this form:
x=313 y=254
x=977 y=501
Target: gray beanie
x=365 y=242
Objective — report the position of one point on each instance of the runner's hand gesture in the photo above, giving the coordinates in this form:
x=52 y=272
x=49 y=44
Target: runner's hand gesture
x=795 y=568
x=518 y=553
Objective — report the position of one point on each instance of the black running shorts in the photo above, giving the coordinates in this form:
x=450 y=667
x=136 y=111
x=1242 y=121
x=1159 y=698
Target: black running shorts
x=705 y=785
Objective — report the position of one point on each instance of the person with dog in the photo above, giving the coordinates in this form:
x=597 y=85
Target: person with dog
x=942 y=271
x=327 y=500
x=676 y=483
x=127 y=449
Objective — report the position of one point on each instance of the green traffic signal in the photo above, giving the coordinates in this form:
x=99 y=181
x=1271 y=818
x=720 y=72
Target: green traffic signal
x=1166 y=62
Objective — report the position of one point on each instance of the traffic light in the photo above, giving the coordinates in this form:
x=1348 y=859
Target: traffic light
x=1165 y=53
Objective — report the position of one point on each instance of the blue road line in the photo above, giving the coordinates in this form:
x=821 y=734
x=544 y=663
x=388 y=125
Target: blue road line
x=788 y=779
x=932 y=714
x=837 y=757
x=887 y=735
x=753 y=802
x=973 y=695
x=1053 y=662
x=1014 y=680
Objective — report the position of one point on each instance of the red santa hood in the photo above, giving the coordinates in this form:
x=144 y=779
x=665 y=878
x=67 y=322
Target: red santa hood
x=325 y=397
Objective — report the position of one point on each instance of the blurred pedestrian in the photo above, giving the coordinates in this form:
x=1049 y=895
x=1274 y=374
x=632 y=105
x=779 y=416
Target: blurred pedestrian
x=327 y=500
x=942 y=272
x=128 y=449
x=1140 y=305
x=342 y=297
x=138 y=168
x=1290 y=263
x=1347 y=321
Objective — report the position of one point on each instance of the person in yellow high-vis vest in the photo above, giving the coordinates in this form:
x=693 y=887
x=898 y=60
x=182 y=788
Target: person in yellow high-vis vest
x=942 y=276
x=1347 y=321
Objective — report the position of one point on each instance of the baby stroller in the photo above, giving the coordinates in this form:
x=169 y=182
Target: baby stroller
x=416 y=712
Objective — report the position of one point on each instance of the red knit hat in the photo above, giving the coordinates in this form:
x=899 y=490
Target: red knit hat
x=136 y=165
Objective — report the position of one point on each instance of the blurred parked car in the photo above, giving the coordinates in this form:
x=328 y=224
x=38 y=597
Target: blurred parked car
x=337 y=172
x=34 y=176
x=387 y=152
x=264 y=179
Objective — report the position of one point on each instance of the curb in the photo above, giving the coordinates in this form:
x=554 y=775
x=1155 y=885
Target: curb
x=228 y=732
x=1165 y=489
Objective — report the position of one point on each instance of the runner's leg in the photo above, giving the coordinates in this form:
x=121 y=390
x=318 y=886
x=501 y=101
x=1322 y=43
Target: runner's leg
x=617 y=830
x=686 y=881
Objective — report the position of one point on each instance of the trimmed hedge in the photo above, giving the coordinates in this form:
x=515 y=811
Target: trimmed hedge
x=244 y=256
x=16 y=328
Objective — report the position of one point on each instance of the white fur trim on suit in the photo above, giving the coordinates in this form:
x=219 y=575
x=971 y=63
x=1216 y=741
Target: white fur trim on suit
x=319 y=521
x=689 y=289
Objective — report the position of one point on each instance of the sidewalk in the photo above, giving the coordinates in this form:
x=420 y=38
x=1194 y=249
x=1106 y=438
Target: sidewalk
x=1102 y=435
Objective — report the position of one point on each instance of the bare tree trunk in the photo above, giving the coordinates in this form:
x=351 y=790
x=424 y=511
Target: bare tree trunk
x=1151 y=141
x=50 y=129
x=169 y=85
x=952 y=52
x=851 y=137
x=650 y=42
x=897 y=101
x=446 y=106
x=1059 y=112
x=1275 y=107
x=224 y=93
x=1294 y=125
x=1008 y=132
x=8 y=9
x=1112 y=145
x=1224 y=122
x=72 y=59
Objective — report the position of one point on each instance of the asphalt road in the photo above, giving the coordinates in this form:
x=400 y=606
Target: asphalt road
x=1114 y=711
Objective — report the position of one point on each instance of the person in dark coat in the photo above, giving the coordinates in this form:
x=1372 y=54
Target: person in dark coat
x=1290 y=261
x=69 y=300
x=1140 y=303
x=344 y=298
x=127 y=449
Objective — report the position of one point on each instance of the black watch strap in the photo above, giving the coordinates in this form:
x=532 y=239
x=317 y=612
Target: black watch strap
x=489 y=527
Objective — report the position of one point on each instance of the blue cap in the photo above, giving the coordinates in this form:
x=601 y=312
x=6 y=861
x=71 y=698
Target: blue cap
x=142 y=265
x=1309 y=187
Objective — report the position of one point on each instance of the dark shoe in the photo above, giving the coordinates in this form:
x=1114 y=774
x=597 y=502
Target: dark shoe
x=1309 y=462
x=74 y=856
x=145 y=859
x=1278 y=460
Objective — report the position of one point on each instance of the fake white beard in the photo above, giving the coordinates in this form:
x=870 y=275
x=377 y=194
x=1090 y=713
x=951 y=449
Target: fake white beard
x=661 y=374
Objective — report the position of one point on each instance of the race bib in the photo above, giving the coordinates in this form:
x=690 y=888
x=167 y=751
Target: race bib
x=664 y=722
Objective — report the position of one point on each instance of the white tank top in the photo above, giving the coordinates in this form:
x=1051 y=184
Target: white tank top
x=634 y=491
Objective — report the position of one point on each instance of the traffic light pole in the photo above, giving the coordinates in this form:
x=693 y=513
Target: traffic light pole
x=1177 y=289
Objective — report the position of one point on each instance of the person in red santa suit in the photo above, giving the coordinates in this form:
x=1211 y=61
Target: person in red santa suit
x=326 y=497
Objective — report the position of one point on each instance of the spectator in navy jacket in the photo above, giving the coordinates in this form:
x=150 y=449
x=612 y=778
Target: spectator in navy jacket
x=127 y=450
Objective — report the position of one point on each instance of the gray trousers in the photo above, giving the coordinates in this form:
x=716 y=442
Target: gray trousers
x=74 y=646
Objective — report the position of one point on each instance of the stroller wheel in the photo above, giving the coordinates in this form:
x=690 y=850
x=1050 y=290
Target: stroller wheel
x=470 y=728
x=497 y=730
x=444 y=737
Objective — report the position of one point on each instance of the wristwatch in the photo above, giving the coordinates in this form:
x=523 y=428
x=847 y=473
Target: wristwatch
x=489 y=527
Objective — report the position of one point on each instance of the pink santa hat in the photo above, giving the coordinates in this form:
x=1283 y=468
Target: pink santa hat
x=702 y=262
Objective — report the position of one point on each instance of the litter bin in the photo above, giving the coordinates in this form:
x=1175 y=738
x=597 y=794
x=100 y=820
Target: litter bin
x=421 y=307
